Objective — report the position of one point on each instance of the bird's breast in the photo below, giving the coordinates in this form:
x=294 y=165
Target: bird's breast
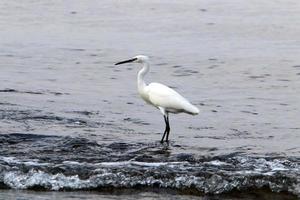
x=145 y=97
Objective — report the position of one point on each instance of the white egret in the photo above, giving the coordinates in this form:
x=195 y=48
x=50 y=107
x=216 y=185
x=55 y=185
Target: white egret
x=160 y=96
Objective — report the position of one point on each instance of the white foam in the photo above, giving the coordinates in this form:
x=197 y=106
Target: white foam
x=13 y=160
x=137 y=163
x=19 y=180
x=35 y=162
x=217 y=163
x=73 y=163
x=10 y=160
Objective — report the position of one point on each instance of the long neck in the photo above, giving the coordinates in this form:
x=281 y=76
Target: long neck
x=140 y=78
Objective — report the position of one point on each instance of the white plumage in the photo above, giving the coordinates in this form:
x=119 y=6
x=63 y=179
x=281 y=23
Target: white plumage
x=162 y=97
x=168 y=99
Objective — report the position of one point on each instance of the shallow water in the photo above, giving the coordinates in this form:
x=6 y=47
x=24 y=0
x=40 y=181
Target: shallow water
x=72 y=120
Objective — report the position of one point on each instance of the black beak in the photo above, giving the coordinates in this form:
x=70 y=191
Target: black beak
x=126 y=61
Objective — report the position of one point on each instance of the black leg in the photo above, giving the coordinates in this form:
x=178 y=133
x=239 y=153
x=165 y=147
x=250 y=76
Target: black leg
x=163 y=137
x=168 y=128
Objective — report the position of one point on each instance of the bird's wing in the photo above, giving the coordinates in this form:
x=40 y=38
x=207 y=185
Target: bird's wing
x=163 y=96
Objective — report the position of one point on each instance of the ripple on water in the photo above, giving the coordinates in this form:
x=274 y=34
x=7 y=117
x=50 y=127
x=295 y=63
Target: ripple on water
x=136 y=121
x=10 y=90
x=184 y=72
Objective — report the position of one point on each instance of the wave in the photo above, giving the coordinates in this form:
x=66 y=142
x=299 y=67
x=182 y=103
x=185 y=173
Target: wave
x=40 y=162
x=210 y=177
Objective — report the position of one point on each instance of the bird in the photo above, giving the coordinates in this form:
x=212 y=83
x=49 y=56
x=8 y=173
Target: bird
x=160 y=96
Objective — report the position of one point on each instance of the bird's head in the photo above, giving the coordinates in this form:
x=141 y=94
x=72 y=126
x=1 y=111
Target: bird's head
x=135 y=59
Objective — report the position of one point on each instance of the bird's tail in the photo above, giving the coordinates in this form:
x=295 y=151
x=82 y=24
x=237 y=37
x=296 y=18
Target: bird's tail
x=191 y=109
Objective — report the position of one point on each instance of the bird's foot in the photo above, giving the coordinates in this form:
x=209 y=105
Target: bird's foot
x=166 y=141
